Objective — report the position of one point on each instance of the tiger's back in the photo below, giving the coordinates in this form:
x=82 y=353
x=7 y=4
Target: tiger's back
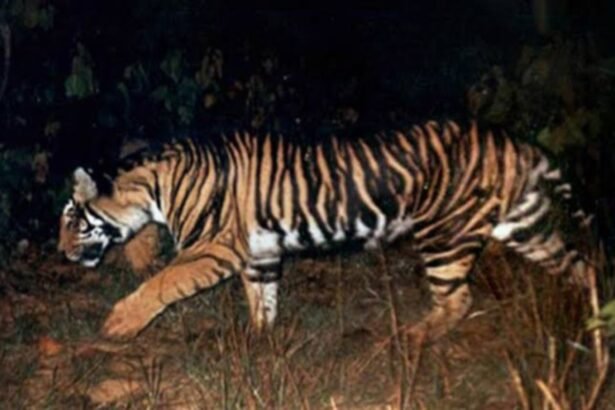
x=239 y=204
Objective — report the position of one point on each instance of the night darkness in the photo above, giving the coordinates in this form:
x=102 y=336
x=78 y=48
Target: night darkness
x=82 y=83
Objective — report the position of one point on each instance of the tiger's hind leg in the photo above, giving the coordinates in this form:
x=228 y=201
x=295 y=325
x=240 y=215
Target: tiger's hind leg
x=260 y=280
x=451 y=297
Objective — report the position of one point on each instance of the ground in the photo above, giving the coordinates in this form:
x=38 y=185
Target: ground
x=334 y=346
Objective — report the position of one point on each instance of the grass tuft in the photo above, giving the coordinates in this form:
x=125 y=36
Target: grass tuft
x=339 y=343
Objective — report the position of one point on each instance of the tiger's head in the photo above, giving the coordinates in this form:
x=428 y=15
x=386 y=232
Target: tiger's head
x=85 y=233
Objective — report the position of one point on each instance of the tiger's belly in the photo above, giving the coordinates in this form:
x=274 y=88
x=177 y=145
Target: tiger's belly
x=266 y=243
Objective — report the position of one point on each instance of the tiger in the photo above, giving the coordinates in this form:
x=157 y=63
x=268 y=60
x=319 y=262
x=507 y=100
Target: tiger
x=238 y=203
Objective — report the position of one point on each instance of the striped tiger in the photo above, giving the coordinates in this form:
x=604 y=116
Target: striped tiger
x=237 y=204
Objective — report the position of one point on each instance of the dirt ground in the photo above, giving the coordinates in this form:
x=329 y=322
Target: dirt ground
x=338 y=344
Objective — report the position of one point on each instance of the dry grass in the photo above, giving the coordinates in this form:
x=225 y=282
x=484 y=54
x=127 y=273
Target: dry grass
x=339 y=343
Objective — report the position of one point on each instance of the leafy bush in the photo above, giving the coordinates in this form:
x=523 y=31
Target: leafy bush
x=29 y=205
x=559 y=95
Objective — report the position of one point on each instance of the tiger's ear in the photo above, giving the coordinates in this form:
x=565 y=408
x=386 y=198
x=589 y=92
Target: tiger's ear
x=84 y=187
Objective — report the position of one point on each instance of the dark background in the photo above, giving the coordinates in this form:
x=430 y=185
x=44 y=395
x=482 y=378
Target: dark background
x=85 y=80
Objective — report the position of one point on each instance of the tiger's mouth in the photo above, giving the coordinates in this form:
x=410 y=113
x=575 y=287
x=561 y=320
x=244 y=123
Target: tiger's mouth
x=88 y=256
x=90 y=263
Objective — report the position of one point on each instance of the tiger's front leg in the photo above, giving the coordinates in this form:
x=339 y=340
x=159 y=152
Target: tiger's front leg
x=260 y=281
x=182 y=278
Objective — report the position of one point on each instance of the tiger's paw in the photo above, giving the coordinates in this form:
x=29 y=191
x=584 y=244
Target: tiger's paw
x=128 y=317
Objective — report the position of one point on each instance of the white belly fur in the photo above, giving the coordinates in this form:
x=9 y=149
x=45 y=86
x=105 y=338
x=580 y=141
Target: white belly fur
x=266 y=244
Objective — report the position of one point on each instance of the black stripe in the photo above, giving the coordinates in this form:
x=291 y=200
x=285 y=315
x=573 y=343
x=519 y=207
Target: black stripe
x=457 y=254
x=101 y=215
x=202 y=218
x=273 y=222
x=266 y=276
x=111 y=231
x=453 y=284
x=299 y=218
x=539 y=226
x=157 y=190
x=190 y=193
x=187 y=170
x=287 y=171
x=223 y=264
x=211 y=207
x=353 y=201
x=535 y=207
x=147 y=187
x=269 y=266
x=310 y=167
x=260 y=212
x=331 y=204
x=175 y=185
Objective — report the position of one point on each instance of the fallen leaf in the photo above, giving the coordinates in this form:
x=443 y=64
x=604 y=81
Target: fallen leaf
x=113 y=390
x=48 y=346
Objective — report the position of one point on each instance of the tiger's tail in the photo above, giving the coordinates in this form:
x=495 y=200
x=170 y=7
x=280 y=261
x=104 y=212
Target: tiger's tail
x=548 y=227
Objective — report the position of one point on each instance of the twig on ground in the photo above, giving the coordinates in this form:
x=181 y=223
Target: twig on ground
x=549 y=397
x=518 y=384
x=601 y=351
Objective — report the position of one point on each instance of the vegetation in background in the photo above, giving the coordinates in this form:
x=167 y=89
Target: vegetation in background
x=81 y=86
x=559 y=95
x=84 y=80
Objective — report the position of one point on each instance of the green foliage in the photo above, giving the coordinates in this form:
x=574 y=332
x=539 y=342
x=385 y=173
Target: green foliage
x=81 y=82
x=181 y=89
x=184 y=93
x=561 y=93
x=180 y=95
x=27 y=201
x=32 y=14
x=604 y=320
x=14 y=171
x=576 y=130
